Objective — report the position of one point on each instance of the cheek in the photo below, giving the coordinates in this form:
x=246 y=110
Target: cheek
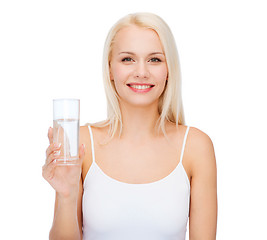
x=117 y=76
x=117 y=73
x=161 y=74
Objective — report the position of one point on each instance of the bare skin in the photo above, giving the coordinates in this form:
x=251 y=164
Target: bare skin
x=140 y=147
x=66 y=181
x=159 y=160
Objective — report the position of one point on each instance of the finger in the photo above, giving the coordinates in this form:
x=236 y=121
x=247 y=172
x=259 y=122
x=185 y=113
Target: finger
x=52 y=157
x=52 y=148
x=81 y=153
x=50 y=135
x=48 y=170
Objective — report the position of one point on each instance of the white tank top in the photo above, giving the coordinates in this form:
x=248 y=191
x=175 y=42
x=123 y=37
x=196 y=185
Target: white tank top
x=115 y=210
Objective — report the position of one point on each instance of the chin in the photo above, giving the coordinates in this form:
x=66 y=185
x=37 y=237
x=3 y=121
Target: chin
x=142 y=104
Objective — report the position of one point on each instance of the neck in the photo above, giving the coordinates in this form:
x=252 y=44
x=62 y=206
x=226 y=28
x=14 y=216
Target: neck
x=139 y=123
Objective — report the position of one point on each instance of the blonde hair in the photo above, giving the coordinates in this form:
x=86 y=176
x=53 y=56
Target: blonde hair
x=170 y=103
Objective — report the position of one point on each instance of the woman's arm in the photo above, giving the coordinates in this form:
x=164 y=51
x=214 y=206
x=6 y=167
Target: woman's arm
x=67 y=183
x=67 y=223
x=203 y=201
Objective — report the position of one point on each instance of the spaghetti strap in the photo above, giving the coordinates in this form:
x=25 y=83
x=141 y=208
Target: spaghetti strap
x=92 y=143
x=182 y=152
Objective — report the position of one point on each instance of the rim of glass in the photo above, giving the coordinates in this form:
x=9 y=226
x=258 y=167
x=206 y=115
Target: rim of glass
x=66 y=99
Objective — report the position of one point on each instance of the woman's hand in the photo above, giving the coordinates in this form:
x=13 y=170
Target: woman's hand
x=64 y=179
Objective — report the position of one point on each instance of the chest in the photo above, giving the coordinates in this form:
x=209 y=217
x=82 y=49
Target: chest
x=137 y=163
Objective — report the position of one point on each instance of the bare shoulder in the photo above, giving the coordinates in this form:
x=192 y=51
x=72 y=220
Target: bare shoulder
x=203 y=185
x=85 y=139
x=84 y=135
x=200 y=150
x=98 y=133
x=199 y=138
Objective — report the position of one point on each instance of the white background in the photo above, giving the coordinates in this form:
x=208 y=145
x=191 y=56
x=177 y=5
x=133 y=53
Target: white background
x=51 y=49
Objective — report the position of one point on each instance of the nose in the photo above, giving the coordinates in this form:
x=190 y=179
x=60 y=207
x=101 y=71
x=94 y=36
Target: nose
x=141 y=70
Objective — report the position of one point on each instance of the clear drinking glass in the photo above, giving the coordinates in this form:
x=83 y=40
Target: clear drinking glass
x=66 y=128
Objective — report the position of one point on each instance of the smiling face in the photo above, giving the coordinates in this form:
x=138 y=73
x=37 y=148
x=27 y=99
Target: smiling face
x=138 y=66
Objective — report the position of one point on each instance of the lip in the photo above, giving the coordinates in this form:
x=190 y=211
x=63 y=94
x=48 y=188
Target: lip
x=146 y=84
x=140 y=90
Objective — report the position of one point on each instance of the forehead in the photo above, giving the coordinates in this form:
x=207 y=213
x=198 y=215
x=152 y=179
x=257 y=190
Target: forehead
x=134 y=38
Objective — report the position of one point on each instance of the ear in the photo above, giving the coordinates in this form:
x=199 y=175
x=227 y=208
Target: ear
x=110 y=74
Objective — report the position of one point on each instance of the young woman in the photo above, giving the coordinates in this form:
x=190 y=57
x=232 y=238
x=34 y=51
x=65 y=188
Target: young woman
x=142 y=172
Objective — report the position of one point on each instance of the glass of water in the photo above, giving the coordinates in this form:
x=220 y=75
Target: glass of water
x=66 y=128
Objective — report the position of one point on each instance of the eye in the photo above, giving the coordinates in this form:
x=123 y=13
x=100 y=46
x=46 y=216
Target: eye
x=155 y=60
x=127 y=59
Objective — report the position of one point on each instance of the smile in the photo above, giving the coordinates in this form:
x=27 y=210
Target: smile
x=141 y=88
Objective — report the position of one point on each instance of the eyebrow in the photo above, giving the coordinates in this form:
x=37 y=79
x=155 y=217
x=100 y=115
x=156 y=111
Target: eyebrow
x=153 y=53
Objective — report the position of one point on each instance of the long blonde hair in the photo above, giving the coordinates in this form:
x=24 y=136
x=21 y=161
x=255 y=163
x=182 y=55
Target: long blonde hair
x=170 y=103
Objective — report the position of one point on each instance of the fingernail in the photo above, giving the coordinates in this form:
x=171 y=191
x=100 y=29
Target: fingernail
x=56 y=153
x=57 y=145
x=83 y=148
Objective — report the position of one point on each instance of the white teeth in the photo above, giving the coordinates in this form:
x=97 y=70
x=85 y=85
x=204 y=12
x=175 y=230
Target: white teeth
x=141 y=86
